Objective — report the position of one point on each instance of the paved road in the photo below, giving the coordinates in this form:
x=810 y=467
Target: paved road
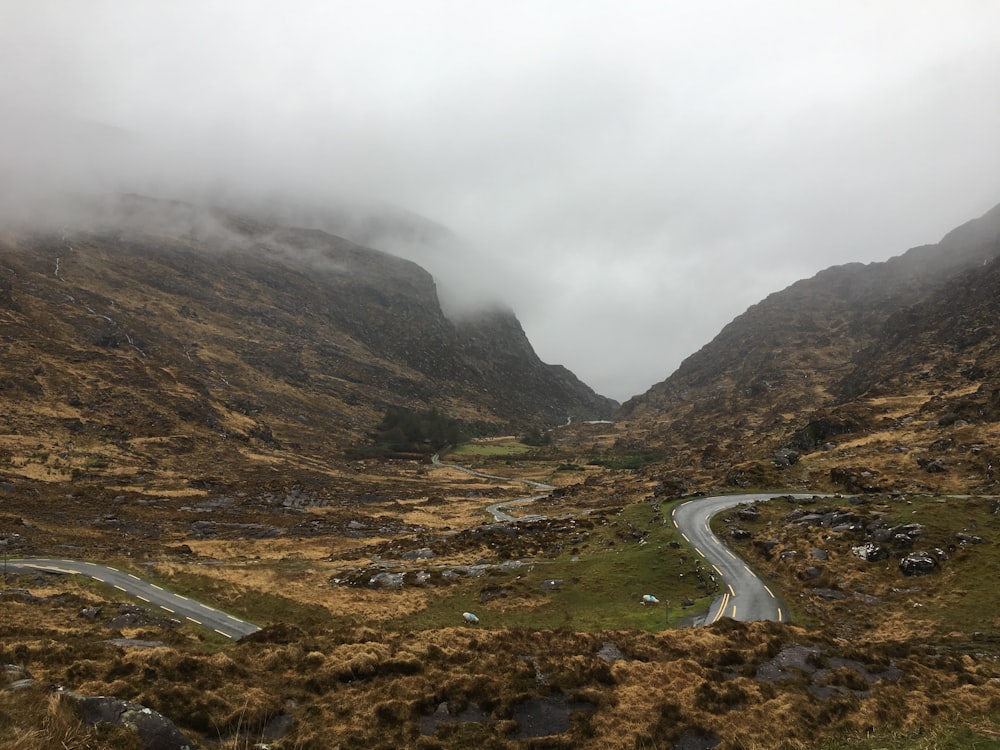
x=180 y=607
x=497 y=509
x=746 y=597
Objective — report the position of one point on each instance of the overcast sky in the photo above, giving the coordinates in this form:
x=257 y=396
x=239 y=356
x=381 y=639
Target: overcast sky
x=629 y=176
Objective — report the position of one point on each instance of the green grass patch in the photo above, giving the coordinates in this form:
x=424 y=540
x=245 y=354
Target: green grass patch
x=944 y=737
x=602 y=583
x=627 y=462
x=505 y=448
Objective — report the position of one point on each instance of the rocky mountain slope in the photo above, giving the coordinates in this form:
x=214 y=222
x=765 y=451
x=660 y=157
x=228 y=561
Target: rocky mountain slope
x=140 y=333
x=850 y=367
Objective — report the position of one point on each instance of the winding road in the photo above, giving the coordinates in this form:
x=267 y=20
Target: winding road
x=180 y=607
x=746 y=597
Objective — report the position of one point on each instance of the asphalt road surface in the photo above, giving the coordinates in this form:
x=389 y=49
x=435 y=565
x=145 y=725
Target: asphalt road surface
x=745 y=596
x=179 y=607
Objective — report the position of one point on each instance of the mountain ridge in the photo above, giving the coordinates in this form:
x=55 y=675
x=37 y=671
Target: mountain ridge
x=821 y=347
x=160 y=319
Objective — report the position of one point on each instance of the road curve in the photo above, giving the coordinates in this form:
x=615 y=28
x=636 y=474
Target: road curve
x=179 y=607
x=497 y=509
x=745 y=596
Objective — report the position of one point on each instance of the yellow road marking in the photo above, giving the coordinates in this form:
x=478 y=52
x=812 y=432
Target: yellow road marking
x=163 y=606
x=114 y=569
x=221 y=633
x=234 y=619
x=734 y=611
x=120 y=588
x=722 y=608
x=685 y=537
x=730 y=553
x=768 y=590
x=747 y=569
x=196 y=622
x=156 y=587
x=717 y=570
x=135 y=577
x=732 y=590
x=181 y=597
x=779 y=614
x=143 y=598
x=699 y=551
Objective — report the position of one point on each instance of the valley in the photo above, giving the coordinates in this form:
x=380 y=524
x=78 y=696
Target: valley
x=285 y=426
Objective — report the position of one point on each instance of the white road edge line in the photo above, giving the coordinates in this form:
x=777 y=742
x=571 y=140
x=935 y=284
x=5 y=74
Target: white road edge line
x=221 y=633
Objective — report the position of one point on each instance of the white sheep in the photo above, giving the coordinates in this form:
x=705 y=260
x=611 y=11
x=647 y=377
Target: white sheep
x=649 y=599
x=470 y=618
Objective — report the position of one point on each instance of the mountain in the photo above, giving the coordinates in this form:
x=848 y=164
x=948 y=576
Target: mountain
x=849 y=369
x=139 y=333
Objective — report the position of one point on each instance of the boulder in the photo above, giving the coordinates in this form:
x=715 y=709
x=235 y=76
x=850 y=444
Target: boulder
x=935 y=466
x=918 y=564
x=748 y=512
x=902 y=540
x=785 y=457
x=810 y=573
x=740 y=534
x=155 y=731
x=387 y=580
x=870 y=552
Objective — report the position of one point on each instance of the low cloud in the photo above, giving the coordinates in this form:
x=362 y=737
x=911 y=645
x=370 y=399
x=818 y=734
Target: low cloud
x=627 y=177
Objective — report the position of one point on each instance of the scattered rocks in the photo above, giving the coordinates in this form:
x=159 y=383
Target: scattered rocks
x=855 y=478
x=748 y=512
x=738 y=533
x=424 y=553
x=963 y=538
x=819 y=554
x=552 y=584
